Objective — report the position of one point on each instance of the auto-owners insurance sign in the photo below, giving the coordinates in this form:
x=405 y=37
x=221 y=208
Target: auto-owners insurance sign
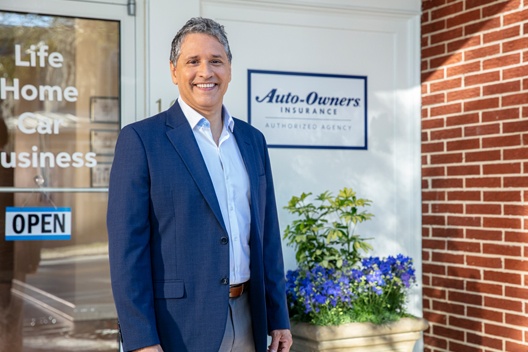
x=308 y=110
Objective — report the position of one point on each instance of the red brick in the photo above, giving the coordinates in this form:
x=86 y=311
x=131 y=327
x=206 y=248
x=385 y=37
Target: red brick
x=455 y=334
x=514 y=347
x=484 y=341
x=518 y=292
x=463 y=18
x=449 y=232
x=432 y=27
x=502 y=277
x=517 y=16
x=453 y=283
x=447 y=208
x=433 y=244
x=515 y=72
x=432 y=51
x=503 y=168
x=503 y=141
x=515 y=210
x=450 y=59
x=501 y=88
x=483 y=182
x=503 y=223
x=446 y=84
x=434 y=269
x=481 y=104
x=512 y=236
x=483 y=156
x=464 y=68
x=464 y=44
x=514 y=264
x=447 y=35
x=481 y=130
x=447 y=109
x=464 y=221
x=496 y=8
x=434 y=147
x=448 y=159
x=503 y=61
x=515 y=154
x=490 y=209
x=433 y=220
x=464 y=272
x=501 y=249
x=517 y=181
x=501 y=114
x=472 y=325
x=434 y=341
x=503 y=331
x=502 y=34
x=516 y=126
x=483 y=262
x=502 y=196
x=433 y=195
x=432 y=123
x=463 y=195
x=514 y=45
x=464 y=144
x=433 y=99
x=464 y=119
x=447 y=11
x=463 y=94
x=463 y=170
x=479 y=286
x=478 y=3
x=481 y=78
x=464 y=246
x=515 y=99
x=486 y=235
x=443 y=257
x=482 y=52
x=482 y=26
x=436 y=318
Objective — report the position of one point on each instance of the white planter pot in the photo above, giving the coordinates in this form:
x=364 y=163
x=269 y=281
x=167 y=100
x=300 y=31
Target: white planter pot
x=399 y=336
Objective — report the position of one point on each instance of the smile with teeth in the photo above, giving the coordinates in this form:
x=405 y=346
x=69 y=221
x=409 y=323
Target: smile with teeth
x=205 y=85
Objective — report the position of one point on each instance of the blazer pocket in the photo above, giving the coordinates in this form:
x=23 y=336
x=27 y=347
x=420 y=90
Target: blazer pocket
x=169 y=289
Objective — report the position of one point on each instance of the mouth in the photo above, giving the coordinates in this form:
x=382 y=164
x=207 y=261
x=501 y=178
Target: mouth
x=205 y=85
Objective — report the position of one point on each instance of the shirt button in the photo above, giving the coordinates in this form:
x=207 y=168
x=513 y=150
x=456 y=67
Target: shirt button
x=224 y=240
x=224 y=281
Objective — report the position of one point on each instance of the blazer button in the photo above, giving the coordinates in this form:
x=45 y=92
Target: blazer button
x=225 y=281
x=224 y=240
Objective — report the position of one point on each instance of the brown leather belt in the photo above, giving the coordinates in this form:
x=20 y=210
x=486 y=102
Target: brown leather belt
x=236 y=291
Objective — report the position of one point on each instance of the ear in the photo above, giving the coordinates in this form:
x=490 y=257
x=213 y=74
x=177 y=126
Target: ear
x=174 y=74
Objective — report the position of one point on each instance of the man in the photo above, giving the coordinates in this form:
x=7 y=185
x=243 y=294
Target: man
x=195 y=250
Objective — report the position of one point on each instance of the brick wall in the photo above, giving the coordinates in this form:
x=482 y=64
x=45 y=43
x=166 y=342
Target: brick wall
x=475 y=174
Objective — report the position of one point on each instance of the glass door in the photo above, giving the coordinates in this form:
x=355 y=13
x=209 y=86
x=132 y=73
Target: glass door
x=62 y=102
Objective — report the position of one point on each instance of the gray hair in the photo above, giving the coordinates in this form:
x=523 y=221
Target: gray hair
x=199 y=25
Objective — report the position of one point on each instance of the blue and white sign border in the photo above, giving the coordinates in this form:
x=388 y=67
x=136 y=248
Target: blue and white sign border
x=21 y=212
x=361 y=81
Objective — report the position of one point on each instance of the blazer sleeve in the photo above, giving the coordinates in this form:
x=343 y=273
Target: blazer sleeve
x=129 y=241
x=276 y=305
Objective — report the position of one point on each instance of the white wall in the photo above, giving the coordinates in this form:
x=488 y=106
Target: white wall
x=374 y=38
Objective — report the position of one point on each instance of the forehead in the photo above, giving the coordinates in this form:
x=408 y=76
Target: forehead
x=201 y=43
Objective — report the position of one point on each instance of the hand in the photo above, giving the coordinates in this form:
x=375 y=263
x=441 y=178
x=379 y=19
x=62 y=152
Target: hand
x=156 y=348
x=281 y=341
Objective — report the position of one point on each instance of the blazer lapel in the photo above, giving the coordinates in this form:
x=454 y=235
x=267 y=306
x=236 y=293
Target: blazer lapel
x=182 y=138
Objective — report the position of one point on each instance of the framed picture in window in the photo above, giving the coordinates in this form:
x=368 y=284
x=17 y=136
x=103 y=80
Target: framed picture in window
x=100 y=176
x=104 y=109
x=103 y=142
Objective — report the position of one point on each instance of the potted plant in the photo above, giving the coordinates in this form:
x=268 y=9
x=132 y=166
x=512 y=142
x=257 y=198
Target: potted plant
x=339 y=299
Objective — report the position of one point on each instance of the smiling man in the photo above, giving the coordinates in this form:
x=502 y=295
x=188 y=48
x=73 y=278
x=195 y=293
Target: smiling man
x=195 y=249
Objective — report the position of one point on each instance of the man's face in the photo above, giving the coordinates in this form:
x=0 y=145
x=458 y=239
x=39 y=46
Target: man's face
x=202 y=73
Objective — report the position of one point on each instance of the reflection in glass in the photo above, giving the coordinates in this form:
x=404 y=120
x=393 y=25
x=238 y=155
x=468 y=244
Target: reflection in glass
x=59 y=99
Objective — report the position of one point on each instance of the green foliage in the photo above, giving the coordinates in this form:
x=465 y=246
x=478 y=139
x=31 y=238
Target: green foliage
x=324 y=232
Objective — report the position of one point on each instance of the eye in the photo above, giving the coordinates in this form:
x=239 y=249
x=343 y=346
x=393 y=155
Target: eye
x=192 y=62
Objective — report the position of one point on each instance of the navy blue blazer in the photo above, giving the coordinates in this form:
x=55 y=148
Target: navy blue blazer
x=169 y=258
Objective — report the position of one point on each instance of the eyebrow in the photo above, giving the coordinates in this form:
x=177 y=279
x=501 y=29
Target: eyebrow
x=194 y=57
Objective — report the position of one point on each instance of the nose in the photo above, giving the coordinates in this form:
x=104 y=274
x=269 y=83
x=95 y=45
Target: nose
x=205 y=70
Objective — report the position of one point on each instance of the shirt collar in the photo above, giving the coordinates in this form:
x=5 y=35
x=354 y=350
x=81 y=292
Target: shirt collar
x=196 y=119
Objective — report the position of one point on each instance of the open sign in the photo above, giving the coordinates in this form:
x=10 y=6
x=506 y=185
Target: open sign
x=37 y=223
